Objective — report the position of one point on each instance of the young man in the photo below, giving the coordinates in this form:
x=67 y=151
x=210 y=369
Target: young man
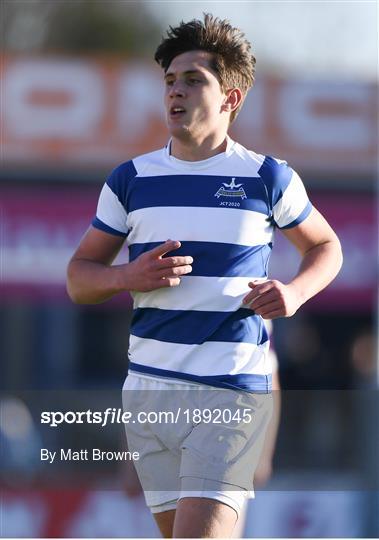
x=198 y=217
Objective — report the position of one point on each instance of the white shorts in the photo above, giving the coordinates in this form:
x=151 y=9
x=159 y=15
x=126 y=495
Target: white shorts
x=194 y=440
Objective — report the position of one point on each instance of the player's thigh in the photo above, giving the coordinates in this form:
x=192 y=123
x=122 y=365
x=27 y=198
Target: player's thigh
x=199 y=517
x=227 y=450
x=165 y=522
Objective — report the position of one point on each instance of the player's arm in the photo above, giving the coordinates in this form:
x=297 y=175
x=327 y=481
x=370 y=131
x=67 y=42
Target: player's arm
x=321 y=261
x=91 y=277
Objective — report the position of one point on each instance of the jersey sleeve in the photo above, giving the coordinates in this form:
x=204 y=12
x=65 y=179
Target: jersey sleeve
x=111 y=215
x=288 y=199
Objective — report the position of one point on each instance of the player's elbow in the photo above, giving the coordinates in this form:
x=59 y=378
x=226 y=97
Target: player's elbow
x=340 y=256
x=72 y=284
x=337 y=254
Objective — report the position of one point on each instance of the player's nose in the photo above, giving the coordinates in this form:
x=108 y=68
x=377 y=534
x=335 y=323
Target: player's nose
x=177 y=90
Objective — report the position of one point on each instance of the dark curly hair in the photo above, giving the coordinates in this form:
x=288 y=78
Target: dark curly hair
x=232 y=59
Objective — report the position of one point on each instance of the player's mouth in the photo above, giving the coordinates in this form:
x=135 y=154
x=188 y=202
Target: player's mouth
x=177 y=112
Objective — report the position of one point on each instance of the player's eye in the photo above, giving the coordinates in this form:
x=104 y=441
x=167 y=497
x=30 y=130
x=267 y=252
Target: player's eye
x=194 y=81
x=169 y=82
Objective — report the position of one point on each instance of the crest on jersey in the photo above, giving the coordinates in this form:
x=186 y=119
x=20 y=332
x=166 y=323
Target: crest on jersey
x=231 y=190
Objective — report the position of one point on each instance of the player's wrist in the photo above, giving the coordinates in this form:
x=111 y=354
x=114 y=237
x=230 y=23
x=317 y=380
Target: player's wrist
x=298 y=293
x=122 y=277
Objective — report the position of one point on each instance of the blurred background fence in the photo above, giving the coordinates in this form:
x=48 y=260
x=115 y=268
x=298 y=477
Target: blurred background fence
x=80 y=94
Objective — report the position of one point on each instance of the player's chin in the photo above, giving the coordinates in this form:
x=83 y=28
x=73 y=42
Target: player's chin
x=178 y=130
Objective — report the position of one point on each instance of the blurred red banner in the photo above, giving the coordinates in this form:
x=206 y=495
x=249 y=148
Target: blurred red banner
x=86 y=113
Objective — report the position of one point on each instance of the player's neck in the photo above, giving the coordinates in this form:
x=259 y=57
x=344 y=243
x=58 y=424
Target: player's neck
x=197 y=150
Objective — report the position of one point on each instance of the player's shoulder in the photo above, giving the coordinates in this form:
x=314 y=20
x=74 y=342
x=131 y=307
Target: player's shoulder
x=267 y=167
x=138 y=164
x=251 y=158
x=274 y=172
x=121 y=176
x=274 y=168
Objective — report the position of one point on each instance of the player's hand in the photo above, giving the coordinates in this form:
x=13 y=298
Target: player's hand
x=272 y=299
x=153 y=271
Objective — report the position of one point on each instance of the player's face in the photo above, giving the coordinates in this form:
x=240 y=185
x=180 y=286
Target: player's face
x=193 y=97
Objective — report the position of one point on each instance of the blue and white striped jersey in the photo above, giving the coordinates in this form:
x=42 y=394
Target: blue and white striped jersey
x=223 y=210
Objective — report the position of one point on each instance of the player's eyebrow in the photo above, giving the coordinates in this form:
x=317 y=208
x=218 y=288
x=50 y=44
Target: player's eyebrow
x=188 y=72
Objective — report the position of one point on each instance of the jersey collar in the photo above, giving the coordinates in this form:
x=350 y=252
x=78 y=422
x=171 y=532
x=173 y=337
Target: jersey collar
x=203 y=164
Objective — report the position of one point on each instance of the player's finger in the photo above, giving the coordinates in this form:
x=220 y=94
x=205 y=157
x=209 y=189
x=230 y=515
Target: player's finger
x=258 y=290
x=257 y=281
x=247 y=299
x=169 y=262
x=264 y=299
x=261 y=286
x=251 y=297
x=164 y=248
x=268 y=308
x=168 y=282
x=175 y=271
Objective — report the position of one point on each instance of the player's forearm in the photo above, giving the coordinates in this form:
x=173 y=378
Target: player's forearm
x=319 y=266
x=90 y=282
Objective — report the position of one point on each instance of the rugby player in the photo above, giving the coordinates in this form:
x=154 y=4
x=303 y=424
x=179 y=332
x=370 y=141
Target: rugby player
x=198 y=217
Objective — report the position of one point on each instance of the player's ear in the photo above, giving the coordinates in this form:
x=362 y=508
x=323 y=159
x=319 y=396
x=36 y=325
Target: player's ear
x=233 y=100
